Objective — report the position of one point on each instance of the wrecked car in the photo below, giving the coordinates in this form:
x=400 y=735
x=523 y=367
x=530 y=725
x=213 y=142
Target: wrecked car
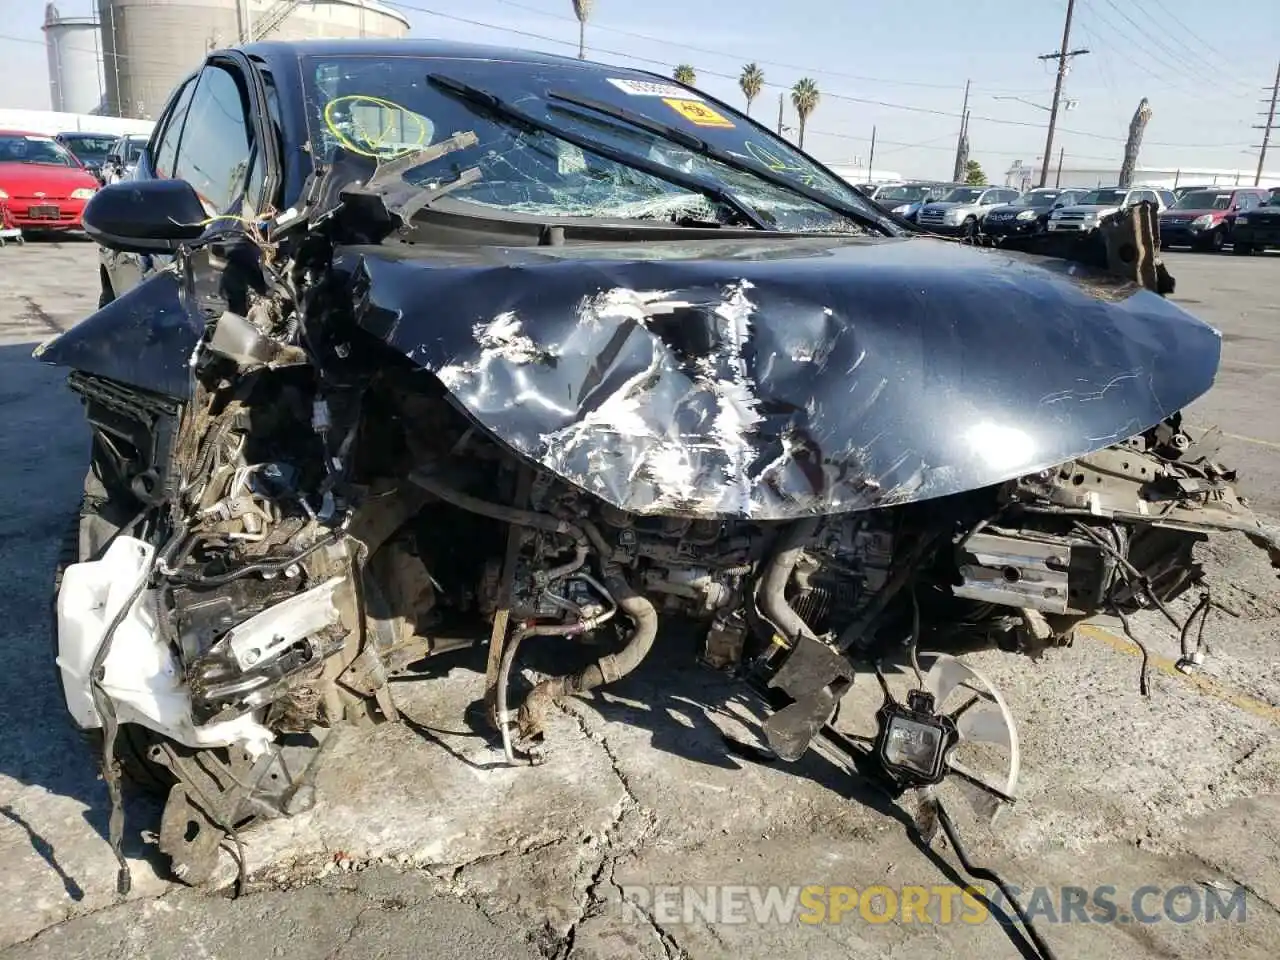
x=410 y=346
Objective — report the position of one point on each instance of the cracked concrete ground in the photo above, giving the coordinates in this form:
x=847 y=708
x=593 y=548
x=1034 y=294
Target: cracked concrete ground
x=425 y=842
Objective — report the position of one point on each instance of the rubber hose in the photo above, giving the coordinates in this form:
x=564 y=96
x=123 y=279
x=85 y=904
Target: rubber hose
x=498 y=511
x=608 y=668
x=772 y=593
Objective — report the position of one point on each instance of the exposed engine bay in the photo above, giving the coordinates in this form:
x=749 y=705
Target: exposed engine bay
x=316 y=544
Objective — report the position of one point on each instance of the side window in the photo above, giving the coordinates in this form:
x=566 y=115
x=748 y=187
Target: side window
x=166 y=148
x=216 y=153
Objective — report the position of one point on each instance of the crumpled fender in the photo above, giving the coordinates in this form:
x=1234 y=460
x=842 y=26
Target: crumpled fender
x=774 y=379
x=144 y=338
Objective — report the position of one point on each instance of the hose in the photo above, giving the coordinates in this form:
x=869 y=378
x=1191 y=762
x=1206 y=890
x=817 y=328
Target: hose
x=986 y=873
x=607 y=669
x=513 y=648
x=271 y=566
x=524 y=518
x=509 y=659
x=771 y=596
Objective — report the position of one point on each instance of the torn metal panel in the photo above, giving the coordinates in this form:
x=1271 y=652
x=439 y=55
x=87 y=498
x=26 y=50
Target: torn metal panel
x=144 y=338
x=772 y=380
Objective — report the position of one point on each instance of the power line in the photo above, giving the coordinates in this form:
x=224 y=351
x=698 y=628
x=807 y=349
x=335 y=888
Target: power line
x=1201 y=43
x=1175 y=64
x=1131 y=46
x=866 y=101
x=742 y=57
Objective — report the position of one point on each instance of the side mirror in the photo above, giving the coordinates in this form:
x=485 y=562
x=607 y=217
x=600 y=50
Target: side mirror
x=144 y=216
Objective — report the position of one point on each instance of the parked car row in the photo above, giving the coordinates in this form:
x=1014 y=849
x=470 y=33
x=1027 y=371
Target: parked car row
x=1206 y=218
x=906 y=199
x=1201 y=217
x=42 y=184
x=45 y=181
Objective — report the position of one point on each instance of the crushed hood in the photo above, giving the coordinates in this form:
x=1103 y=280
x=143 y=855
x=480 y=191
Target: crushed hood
x=774 y=379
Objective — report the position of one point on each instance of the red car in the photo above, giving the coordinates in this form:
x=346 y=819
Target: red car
x=41 y=183
x=1202 y=218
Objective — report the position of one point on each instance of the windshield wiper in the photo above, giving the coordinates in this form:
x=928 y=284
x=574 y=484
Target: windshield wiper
x=700 y=146
x=489 y=101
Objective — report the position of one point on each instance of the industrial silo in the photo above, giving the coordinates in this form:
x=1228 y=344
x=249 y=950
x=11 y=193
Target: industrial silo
x=149 y=45
x=75 y=62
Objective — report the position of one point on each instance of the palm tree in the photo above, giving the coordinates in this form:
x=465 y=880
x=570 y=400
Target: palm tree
x=582 y=10
x=686 y=75
x=751 y=82
x=804 y=97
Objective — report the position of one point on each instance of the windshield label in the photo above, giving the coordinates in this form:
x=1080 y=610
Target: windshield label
x=698 y=113
x=645 y=88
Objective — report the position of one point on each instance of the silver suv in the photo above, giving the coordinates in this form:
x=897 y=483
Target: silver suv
x=1084 y=216
x=961 y=211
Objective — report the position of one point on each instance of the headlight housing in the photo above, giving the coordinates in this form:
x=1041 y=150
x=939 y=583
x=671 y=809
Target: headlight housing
x=82 y=193
x=903 y=208
x=1056 y=215
x=1202 y=223
x=1239 y=220
x=952 y=216
x=3 y=195
x=1026 y=215
x=913 y=741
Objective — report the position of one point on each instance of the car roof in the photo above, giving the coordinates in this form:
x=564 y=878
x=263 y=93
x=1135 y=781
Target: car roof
x=22 y=133
x=85 y=133
x=420 y=47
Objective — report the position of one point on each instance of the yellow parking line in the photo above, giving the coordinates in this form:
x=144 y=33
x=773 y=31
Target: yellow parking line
x=1205 y=684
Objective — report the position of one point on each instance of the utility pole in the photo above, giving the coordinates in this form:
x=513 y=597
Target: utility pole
x=1266 y=129
x=1062 y=56
x=779 y=114
x=871 y=160
x=956 y=172
x=1062 y=152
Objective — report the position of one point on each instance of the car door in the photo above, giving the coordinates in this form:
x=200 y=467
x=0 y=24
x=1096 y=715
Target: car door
x=221 y=155
x=123 y=271
x=220 y=150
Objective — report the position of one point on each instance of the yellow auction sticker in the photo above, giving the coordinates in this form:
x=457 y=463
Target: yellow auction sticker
x=698 y=114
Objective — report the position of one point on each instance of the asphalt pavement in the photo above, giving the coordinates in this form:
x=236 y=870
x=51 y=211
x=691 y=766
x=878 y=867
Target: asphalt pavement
x=425 y=842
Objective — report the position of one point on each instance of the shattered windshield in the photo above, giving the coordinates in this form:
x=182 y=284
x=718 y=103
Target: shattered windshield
x=386 y=108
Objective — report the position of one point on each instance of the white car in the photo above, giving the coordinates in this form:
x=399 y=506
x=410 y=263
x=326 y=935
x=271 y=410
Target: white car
x=122 y=158
x=1084 y=217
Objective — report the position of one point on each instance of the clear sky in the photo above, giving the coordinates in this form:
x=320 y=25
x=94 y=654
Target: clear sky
x=897 y=65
